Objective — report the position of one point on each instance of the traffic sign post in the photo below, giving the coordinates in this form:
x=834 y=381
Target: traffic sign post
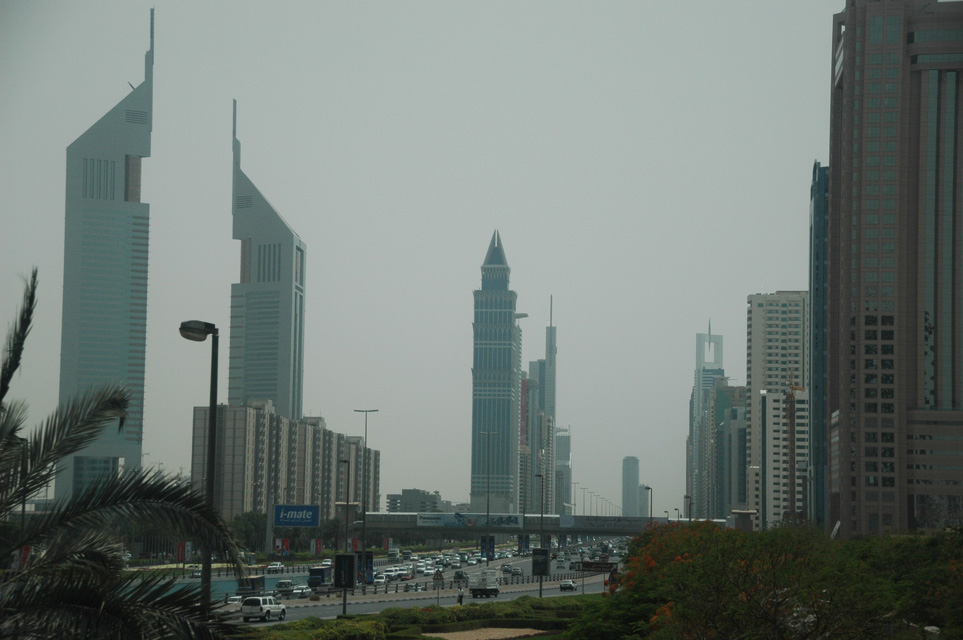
x=438 y=582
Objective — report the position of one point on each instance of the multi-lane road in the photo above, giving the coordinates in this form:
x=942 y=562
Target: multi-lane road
x=375 y=600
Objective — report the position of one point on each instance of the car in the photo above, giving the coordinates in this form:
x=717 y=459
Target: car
x=275 y=567
x=472 y=562
x=461 y=576
x=301 y=591
x=196 y=573
x=414 y=586
x=506 y=568
x=566 y=585
x=326 y=562
x=233 y=600
x=516 y=571
x=382 y=579
x=263 y=607
x=456 y=564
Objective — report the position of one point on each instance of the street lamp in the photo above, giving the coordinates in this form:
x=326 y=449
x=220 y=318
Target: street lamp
x=488 y=496
x=347 y=495
x=198 y=331
x=364 y=499
x=666 y=516
x=541 y=527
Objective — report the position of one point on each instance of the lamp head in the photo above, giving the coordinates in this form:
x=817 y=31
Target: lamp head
x=197 y=330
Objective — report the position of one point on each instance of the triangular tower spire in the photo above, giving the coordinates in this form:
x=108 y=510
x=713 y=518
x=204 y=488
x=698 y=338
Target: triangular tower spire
x=496 y=254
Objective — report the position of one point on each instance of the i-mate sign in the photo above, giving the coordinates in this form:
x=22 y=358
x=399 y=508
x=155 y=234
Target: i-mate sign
x=297 y=515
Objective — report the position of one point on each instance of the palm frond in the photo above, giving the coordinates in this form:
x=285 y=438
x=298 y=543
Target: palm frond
x=76 y=586
x=71 y=427
x=78 y=605
x=151 y=499
x=17 y=337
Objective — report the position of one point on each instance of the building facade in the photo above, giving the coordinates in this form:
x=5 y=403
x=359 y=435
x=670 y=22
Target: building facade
x=564 y=489
x=630 y=487
x=106 y=238
x=267 y=303
x=264 y=459
x=777 y=364
x=895 y=401
x=416 y=501
x=496 y=388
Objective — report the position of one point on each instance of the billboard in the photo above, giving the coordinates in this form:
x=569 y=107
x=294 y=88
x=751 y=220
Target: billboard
x=297 y=515
x=470 y=520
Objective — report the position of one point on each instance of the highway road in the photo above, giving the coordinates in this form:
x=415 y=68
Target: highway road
x=331 y=606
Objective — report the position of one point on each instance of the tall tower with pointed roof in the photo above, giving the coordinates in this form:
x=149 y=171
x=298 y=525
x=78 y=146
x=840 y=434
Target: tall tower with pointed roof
x=496 y=388
x=106 y=236
x=267 y=303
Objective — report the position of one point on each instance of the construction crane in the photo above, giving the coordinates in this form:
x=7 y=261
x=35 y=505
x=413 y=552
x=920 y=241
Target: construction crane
x=789 y=404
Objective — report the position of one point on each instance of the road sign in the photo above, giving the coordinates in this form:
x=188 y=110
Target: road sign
x=607 y=567
x=540 y=562
x=439 y=576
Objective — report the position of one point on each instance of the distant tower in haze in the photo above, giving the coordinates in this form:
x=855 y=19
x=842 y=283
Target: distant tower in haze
x=496 y=388
x=630 y=487
x=267 y=304
x=106 y=234
x=699 y=448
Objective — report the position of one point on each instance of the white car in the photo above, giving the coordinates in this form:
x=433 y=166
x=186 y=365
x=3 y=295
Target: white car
x=381 y=579
x=275 y=567
x=301 y=591
x=263 y=607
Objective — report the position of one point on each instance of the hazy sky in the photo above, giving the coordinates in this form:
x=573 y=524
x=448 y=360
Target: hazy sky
x=646 y=163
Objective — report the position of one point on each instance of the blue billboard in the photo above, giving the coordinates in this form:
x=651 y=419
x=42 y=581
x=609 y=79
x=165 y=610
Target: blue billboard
x=297 y=515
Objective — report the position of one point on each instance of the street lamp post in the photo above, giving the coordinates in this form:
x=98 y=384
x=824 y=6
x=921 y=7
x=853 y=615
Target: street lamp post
x=584 y=489
x=574 y=496
x=541 y=526
x=347 y=496
x=488 y=496
x=198 y=331
x=364 y=499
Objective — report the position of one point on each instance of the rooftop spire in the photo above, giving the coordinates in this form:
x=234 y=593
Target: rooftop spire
x=496 y=254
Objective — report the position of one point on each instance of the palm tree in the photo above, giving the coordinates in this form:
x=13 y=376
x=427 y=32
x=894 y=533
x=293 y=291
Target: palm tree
x=73 y=585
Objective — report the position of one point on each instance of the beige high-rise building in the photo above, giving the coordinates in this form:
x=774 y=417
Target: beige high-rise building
x=777 y=359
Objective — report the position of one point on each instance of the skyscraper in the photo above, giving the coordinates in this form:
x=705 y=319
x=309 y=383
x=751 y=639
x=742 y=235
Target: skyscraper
x=267 y=304
x=895 y=362
x=106 y=234
x=819 y=336
x=630 y=487
x=699 y=446
x=777 y=359
x=496 y=375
